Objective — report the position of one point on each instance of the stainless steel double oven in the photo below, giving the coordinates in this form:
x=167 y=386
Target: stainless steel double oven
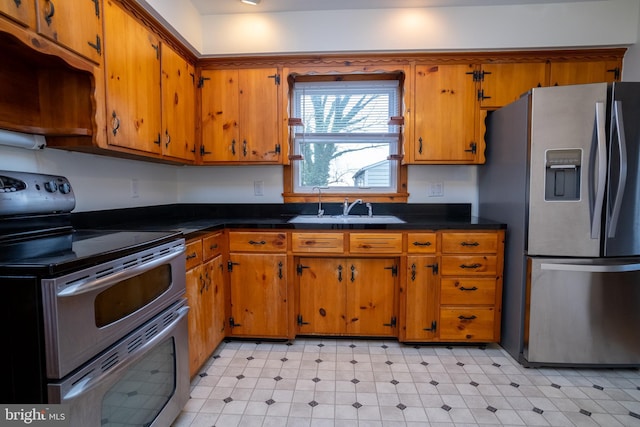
x=93 y=319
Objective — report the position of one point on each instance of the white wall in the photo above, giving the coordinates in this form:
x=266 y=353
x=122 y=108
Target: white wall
x=104 y=183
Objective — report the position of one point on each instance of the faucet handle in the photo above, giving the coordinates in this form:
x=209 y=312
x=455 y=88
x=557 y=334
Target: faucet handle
x=369 y=210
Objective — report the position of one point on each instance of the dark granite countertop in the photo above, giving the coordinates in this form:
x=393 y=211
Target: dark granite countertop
x=191 y=219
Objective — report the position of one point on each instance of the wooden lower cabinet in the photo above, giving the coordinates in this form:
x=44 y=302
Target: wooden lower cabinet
x=347 y=296
x=259 y=298
x=205 y=290
x=421 y=292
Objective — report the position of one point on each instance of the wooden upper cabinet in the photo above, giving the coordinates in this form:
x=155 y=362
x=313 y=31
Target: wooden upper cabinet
x=581 y=72
x=240 y=116
x=501 y=84
x=75 y=24
x=23 y=12
x=132 y=65
x=178 y=106
x=445 y=115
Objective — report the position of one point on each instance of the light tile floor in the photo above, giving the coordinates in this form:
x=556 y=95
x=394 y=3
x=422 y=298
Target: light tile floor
x=345 y=382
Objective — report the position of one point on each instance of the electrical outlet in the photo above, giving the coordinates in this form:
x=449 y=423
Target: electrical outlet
x=436 y=189
x=258 y=188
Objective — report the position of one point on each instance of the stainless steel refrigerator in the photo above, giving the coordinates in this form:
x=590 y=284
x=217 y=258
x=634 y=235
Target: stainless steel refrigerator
x=563 y=173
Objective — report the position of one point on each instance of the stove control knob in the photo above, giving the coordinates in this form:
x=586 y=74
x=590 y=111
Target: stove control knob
x=65 y=188
x=51 y=186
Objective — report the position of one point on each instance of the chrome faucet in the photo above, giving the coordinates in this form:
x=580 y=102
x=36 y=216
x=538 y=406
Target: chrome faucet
x=346 y=207
x=320 y=210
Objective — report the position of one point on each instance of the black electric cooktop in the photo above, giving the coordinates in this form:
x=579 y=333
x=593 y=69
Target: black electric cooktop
x=59 y=253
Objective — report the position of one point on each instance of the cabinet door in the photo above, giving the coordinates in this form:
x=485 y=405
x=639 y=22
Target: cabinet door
x=445 y=114
x=220 y=116
x=195 y=287
x=20 y=11
x=258 y=115
x=213 y=305
x=371 y=285
x=322 y=295
x=258 y=295
x=133 y=82
x=505 y=83
x=570 y=73
x=178 y=106
x=421 y=298
x=74 y=24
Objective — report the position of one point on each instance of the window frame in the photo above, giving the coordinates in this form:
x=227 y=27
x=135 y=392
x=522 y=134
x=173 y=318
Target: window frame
x=400 y=195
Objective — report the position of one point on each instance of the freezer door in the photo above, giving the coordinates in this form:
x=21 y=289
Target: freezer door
x=623 y=209
x=583 y=312
x=567 y=170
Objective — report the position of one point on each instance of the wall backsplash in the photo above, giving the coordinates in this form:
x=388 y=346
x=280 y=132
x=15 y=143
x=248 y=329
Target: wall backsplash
x=103 y=182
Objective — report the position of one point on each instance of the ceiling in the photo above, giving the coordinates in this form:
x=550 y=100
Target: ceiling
x=215 y=7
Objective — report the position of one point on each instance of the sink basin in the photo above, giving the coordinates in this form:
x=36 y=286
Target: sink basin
x=349 y=219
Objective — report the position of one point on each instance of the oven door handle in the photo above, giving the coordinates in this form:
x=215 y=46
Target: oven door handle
x=90 y=284
x=89 y=382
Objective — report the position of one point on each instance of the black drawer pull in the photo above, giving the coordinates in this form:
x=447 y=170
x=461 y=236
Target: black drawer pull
x=462 y=288
x=476 y=265
x=470 y=244
x=214 y=246
x=261 y=242
x=467 y=318
x=421 y=243
x=191 y=256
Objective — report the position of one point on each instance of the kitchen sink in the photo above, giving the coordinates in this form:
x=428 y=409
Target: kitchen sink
x=345 y=219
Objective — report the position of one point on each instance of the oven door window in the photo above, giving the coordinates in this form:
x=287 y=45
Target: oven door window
x=139 y=396
x=126 y=297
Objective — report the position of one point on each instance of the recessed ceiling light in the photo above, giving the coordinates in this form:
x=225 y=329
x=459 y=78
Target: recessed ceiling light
x=252 y=2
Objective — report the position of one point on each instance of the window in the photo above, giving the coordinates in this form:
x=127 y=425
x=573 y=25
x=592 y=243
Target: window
x=347 y=136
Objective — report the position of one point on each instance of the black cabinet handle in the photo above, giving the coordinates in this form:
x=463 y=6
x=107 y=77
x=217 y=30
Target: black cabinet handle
x=470 y=244
x=467 y=318
x=261 y=242
x=462 y=288
x=421 y=243
x=470 y=265
x=413 y=272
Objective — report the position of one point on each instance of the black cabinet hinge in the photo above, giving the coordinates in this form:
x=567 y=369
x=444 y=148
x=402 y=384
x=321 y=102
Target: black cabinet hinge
x=391 y=324
x=433 y=327
x=232 y=323
x=203 y=151
x=97 y=45
x=201 y=81
x=97 y=4
x=230 y=266
x=300 y=321
x=277 y=150
x=299 y=268
x=478 y=76
x=481 y=96
x=394 y=270
x=616 y=73
x=473 y=147
x=433 y=267
x=276 y=78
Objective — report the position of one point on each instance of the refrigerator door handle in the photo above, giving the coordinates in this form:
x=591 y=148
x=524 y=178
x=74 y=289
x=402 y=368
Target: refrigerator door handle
x=601 y=148
x=591 y=268
x=622 y=178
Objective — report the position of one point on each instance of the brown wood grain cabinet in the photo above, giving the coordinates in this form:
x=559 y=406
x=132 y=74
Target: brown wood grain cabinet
x=501 y=84
x=132 y=65
x=582 y=72
x=258 y=284
x=22 y=12
x=445 y=115
x=240 y=119
x=77 y=25
x=178 y=90
x=206 y=295
x=471 y=286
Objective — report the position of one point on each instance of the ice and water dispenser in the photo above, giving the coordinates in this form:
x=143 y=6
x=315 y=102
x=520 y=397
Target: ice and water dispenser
x=562 y=180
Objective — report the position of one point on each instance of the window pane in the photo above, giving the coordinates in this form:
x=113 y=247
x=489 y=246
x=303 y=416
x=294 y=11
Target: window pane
x=346 y=139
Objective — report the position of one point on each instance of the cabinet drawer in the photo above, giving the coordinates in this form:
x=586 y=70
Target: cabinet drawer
x=257 y=242
x=462 y=243
x=212 y=245
x=480 y=291
x=423 y=243
x=317 y=242
x=193 y=253
x=365 y=243
x=469 y=265
x=476 y=323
